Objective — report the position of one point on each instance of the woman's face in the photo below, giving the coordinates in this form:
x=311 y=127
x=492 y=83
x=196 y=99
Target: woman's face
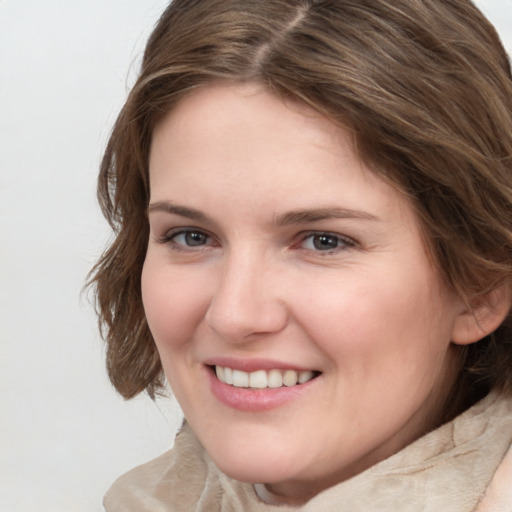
x=276 y=256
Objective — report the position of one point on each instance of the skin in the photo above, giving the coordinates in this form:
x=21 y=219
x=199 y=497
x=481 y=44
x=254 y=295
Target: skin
x=366 y=309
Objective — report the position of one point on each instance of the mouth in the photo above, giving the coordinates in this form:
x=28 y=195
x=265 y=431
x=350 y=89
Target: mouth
x=263 y=379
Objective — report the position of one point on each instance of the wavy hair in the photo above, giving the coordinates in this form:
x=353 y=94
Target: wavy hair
x=424 y=85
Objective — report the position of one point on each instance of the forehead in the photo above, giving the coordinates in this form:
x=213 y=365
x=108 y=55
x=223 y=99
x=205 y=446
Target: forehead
x=237 y=112
x=239 y=140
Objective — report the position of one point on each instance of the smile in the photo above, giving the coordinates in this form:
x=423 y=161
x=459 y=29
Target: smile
x=262 y=379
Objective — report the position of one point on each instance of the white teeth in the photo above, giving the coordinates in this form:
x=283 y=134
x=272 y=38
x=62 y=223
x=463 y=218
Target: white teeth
x=290 y=378
x=275 y=379
x=228 y=376
x=305 y=376
x=240 y=379
x=261 y=379
x=258 y=379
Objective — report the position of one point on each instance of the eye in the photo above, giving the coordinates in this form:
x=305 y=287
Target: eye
x=326 y=242
x=187 y=239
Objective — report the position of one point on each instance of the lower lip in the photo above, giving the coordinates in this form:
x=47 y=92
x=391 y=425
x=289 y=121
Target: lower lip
x=255 y=400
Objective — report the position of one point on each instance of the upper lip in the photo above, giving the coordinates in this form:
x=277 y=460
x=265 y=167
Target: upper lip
x=254 y=364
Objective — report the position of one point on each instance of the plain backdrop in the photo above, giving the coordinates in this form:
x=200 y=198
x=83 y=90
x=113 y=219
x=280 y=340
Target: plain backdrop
x=65 y=68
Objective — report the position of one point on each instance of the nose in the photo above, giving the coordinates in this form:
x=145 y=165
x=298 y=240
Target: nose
x=247 y=301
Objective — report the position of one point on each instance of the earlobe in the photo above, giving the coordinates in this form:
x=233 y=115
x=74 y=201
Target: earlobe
x=483 y=317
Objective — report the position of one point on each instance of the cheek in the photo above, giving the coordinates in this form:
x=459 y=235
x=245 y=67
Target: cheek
x=377 y=323
x=174 y=303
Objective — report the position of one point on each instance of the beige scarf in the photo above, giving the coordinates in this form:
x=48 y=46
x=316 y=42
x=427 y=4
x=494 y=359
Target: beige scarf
x=460 y=467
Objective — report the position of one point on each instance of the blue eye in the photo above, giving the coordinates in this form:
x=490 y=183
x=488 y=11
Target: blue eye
x=325 y=242
x=189 y=238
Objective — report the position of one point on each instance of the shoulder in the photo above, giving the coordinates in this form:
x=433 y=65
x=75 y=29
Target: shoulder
x=498 y=497
x=161 y=482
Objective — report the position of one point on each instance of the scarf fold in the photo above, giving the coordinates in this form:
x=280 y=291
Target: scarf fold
x=450 y=469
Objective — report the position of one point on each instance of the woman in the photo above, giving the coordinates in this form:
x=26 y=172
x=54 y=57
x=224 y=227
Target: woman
x=311 y=202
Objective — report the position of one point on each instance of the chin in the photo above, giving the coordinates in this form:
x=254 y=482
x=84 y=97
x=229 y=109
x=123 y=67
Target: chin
x=245 y=467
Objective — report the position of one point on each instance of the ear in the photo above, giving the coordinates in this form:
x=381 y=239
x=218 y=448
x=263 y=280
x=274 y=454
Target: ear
x=483 y=316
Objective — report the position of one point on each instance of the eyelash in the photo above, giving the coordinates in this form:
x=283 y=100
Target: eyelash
x=342 y=243
x=170 y=238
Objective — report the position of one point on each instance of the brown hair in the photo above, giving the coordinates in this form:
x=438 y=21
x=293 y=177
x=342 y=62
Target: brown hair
x=424 y=85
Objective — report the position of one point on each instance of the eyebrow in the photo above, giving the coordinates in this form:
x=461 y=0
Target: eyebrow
x=316 y=214
x=289 y=218
x=174 y=209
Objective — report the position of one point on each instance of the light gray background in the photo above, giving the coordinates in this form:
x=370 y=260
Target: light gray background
x=65 y=68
